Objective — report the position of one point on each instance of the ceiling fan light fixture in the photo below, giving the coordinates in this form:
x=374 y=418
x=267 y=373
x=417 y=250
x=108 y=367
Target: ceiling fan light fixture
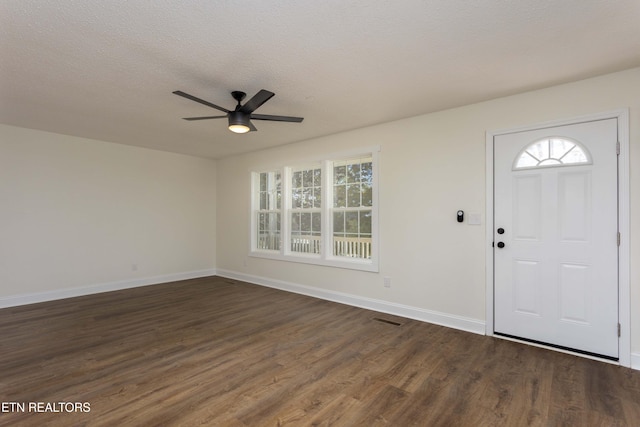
x=239 y=128
x=239 y=122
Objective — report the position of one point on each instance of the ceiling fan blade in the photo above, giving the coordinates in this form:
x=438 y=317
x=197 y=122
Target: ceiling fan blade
x=277 y=118
x=258 y=99
x=252 y=128
x=204 y=118
x=201 y=101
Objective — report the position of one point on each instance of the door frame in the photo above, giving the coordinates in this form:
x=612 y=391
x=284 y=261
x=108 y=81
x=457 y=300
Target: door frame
x=624 y=298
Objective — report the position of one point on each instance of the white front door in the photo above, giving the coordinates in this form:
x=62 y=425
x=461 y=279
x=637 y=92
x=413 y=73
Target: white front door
x=556 y=236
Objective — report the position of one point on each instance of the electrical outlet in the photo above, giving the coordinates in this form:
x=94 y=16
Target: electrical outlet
x=387 y=282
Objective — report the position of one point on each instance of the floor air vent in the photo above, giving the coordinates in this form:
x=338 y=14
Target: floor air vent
x=390 y=322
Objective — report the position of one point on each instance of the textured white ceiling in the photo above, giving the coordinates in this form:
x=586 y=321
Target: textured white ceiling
x=105 y=69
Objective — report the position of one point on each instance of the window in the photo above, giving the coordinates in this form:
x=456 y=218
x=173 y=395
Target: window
x=552 y=152
x=306 y=210
x=321 y=213
x=268 y=215
x=352 y=208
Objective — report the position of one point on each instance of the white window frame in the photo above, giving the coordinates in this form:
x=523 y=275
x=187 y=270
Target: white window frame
x=325 y=257
x=255 y=203
x=288 y=208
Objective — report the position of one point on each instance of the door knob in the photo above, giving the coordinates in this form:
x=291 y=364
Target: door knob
x=500 y=230
x=501 y=245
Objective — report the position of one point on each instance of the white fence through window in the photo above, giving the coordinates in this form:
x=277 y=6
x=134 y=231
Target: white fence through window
x=306 y=244
x=353 y=247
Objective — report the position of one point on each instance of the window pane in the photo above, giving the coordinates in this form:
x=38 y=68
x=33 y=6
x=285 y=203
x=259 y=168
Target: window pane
x=304 y=237
x=263 y=181
x=339 y=196
x=339 y=174
x=305 y=243
x=574 y=156
x=261 y=221
x=351 y=222
x=276 y=192
x=307 y=194
x=270 y=190
x=560 y=147
x=268 y=231
x=338 y=222
x=526 y=160
x=317 y=197
x=295 y=222
x=316 y=223
x=367 y=195
x=352 y=234
x=353 y=195
x=366 y=171
x=307 y=178
x=305 y=221
x=353 y=172
x=539 y=150
x=365 y=223
x=296 y=198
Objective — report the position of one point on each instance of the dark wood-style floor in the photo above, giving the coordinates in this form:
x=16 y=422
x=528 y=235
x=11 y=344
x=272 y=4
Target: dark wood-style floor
x=225 y=353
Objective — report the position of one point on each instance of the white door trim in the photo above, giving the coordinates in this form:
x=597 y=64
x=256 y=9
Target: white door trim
x=623 y=220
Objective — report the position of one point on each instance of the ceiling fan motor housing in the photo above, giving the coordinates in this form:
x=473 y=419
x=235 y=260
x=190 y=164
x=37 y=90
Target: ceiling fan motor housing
x=238 y=118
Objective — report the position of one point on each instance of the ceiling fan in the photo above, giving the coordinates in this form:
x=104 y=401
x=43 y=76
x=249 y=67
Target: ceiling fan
x=240 y=118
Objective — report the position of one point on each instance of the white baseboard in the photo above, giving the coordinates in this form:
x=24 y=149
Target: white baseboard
x=438 y=318
x=33 y=298
x=635 y=361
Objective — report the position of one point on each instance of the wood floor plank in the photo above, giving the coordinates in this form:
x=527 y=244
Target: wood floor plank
x=216 y=351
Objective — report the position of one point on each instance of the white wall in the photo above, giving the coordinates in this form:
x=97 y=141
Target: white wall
x=76 y=215
x=430 y=166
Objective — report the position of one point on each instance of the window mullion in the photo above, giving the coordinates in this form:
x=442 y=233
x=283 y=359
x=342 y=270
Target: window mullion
x=327 y=205
x=285 y=223
x=375 y=238
x=255 y=208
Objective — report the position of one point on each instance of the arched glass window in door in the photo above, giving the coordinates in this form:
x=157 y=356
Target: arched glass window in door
x=552 y=151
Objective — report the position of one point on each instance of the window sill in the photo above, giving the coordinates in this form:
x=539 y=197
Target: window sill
x=349 y=264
